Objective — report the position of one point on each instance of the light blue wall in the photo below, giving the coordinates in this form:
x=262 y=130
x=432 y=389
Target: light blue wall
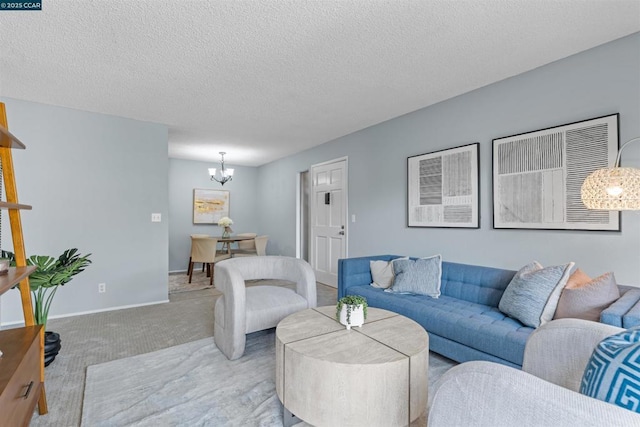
x=93 y=181
x=184 y=176
x=594 y=83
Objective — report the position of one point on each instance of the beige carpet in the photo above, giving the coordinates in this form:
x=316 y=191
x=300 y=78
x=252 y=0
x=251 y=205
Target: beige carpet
x=179 y=282
x=101 y=337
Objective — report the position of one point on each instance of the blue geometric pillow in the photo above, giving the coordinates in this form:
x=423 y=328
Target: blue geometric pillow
x=613 y=372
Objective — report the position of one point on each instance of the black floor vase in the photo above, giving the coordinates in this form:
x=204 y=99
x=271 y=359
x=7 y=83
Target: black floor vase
x=51 y=347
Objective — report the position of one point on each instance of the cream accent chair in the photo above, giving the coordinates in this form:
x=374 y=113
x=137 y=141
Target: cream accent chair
x=191 y=253
x=255 y=247
x=544 y=393
x=242 y=310
x=205 y=250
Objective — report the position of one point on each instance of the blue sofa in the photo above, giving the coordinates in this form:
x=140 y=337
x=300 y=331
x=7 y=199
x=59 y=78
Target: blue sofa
x=464 y=323
x=625 y=312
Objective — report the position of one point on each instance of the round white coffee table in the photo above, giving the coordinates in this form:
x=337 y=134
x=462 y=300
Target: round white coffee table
x=375 y=375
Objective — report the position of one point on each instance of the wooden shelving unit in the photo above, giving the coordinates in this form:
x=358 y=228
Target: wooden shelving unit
x=22 y=365
x=7 y=139
x=14 y=276
x=5 y=205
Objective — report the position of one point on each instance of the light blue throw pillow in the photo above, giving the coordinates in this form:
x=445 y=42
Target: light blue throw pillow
x=533 y=293
x=421 y=276
x=613 y=372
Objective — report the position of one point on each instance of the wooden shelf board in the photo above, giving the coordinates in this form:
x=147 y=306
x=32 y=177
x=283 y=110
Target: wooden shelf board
x=8 y=140
x=7 y=205
x=14 y=276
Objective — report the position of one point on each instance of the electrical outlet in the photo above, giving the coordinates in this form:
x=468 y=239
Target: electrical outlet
x=102 y=288
x=156 y=217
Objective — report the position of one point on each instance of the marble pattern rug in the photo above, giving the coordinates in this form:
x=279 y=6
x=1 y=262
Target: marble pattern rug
x=194 y=384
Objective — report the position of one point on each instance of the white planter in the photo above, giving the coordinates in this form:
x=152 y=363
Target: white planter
x=355 y=319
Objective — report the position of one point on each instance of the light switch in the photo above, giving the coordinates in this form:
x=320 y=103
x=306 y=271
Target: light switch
x=156 y=217
x=353 y=218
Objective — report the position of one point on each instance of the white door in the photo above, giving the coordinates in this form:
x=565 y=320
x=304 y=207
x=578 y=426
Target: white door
x=328 y=219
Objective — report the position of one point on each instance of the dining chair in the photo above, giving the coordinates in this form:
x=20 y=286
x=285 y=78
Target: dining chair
x=255 y=247
x=247 y=245
x=190 y=266
x=204 y=250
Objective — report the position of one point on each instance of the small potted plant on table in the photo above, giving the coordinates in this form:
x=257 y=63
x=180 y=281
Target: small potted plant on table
x=351 y=310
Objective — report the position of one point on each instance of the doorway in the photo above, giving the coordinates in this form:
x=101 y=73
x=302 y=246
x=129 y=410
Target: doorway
x=328 y=210
x=302 y=216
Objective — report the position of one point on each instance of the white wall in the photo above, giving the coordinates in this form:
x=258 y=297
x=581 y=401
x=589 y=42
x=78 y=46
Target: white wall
x=93 y=181
x=597 y=82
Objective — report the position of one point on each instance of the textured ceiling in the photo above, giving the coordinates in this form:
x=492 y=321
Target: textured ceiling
x=267 y=78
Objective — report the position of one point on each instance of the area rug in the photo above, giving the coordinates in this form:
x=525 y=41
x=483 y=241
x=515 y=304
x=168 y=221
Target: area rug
x=193 y=384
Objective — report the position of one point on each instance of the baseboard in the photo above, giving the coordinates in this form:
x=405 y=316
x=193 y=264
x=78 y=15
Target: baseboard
x=81 y=313
x=178 y=271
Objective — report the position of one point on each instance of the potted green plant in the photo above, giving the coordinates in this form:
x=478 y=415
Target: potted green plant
x=351 y=310
x=51 y=273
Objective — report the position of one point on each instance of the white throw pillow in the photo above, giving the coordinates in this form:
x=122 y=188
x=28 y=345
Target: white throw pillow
x=382 y=273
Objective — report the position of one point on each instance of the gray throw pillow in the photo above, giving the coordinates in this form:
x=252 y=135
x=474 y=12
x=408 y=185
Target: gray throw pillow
x=533 y=293
x=382 y=273
x=588 y=300
x=421 y=276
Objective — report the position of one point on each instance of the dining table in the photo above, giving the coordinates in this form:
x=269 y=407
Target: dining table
x=227 y=241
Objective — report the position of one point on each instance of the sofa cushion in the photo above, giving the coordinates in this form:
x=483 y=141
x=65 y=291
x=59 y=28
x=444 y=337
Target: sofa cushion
x=613 y=372
x=586 y=298
x=533 y=294
x=474 y=283
x=421 y=276
x=478 y=326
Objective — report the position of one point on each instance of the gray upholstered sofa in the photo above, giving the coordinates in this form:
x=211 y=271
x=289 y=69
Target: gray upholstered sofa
x=543 y=393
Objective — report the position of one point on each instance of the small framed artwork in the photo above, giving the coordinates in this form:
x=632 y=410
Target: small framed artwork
x=209 y=205
x=443 y=187
x=537 y=176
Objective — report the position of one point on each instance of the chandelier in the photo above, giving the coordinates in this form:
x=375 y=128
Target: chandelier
x=613 y=189
x=225 y=174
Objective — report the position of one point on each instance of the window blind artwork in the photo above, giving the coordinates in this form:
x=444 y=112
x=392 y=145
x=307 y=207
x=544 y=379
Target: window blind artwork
x=443 y=188
x=537 y=176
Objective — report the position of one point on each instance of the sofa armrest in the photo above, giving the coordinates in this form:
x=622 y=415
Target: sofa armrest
x=356 y=271
x=632 y=317
x=614 y=314
x=489 y=394
x=558 y=351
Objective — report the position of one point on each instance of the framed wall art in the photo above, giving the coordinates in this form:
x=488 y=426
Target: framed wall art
x=209 y=205
x=442 y=188
x=537 y=176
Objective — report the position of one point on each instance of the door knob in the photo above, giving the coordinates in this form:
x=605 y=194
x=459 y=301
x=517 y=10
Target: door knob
x=341 y=233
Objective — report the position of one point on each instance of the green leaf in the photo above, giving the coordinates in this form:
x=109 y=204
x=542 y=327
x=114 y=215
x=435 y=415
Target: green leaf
x=51 y=273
